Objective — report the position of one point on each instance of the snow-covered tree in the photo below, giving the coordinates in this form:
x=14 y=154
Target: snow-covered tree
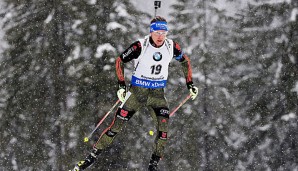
x=247 y=66
x=266 y=85
x=204 y=29
x=58 y=74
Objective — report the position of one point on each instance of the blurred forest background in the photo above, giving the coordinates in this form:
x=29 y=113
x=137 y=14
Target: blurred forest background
x=57 y=80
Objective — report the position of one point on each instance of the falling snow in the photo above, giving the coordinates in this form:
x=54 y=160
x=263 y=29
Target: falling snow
x=57 y=81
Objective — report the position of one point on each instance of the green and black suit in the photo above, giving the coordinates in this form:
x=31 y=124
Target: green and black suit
x=142 y=94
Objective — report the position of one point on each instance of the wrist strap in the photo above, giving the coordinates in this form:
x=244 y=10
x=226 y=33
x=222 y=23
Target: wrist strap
x=189 y=85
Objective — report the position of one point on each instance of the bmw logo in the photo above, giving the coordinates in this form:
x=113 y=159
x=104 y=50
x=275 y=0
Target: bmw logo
x=157 y=56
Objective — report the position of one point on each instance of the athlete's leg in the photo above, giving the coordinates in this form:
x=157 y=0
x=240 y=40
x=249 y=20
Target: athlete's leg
x=121 y=117
x=160 y=116
x=159 y=110
x=131 y=105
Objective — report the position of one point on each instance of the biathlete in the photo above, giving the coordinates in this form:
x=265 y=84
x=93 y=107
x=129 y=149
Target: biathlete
x=152 y=56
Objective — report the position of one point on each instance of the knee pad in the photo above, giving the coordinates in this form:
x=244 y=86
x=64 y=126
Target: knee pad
x=111 y=133
x=162 y=135
x=124 y=114
x=162 y=115
x=162 y=111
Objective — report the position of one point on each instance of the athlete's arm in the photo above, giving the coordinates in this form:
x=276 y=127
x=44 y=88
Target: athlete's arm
x=185 y=63
x=132 y=52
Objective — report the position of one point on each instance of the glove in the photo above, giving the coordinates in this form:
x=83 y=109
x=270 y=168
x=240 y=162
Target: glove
x=121 y=92
x=193 y=91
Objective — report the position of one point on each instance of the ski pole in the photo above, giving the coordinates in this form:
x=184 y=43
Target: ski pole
x=86 y=139
x=172 y=113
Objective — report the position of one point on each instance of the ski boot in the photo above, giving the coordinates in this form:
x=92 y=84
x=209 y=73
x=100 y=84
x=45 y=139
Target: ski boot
x=153 y=162
x=89 y=160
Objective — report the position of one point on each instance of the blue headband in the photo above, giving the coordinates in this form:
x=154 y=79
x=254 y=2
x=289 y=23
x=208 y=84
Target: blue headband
x=158 y=25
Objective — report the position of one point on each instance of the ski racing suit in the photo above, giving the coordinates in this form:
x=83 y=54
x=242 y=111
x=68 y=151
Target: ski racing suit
x=148 y=81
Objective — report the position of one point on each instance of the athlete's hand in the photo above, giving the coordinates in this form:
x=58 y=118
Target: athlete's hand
x=121 y=92
x=193 y=91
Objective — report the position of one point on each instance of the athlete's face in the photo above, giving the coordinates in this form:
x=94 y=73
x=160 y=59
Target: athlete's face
x=159 y=37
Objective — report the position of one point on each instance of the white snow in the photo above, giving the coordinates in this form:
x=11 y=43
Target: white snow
x=268 y=2
x=278 y=71
x=92 y=2
x=7 y=17
x=50 y=17
x=231 y=8
x=188 y=11
x=289 y=116
x=71 y=100
x=115 y=25
x=93 y=28
x=188 y=109
x=134 y=165
x=292 y=58
x=72 y=144
x=75 y=54
x=13 y=140
x=199 y=76
x=277 y=22
x=282 y=38
x=235 y=139
x=74 y=69
x=107 y=67
x=295 y=89
x=14 y=164
x=265 y=127
x=278 y=1
x=212 y=131
x=104 y=47
x=294 y=14
x=122 y=12
x=265 y=145
x=76 y=23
